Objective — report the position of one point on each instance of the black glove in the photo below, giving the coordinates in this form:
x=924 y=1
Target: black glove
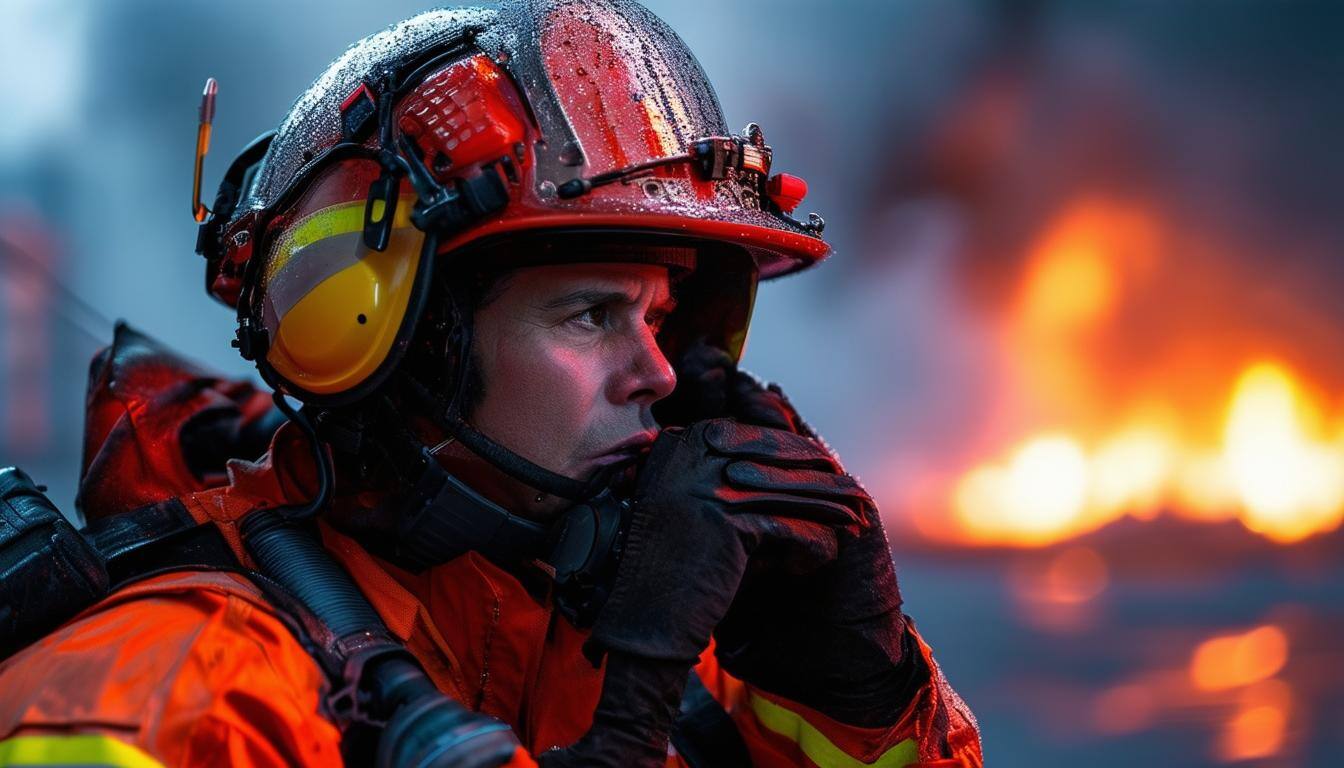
x=710 y=386
x=709 y=499
x=638 y=707
x=835 y=640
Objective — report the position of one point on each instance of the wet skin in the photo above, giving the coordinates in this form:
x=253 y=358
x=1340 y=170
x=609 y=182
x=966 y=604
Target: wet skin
x=571 y=368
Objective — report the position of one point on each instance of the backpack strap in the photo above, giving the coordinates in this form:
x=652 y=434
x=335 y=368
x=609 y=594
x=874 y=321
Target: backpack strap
x=151 y=539
x=50 y=572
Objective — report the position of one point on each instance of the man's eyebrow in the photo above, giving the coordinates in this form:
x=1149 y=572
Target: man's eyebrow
x=588 y=297
x=667 y=305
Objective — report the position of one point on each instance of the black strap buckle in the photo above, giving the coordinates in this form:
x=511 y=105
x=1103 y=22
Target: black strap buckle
x=380 y=210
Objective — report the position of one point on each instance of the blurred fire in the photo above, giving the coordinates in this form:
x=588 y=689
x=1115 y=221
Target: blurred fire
x=1231 y=661
x=1262 y=451
x=1258 y=726
x=1231 y=680
x=1056 y=594
x=1275 y=471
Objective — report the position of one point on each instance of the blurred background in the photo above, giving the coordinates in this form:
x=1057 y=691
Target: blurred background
x=1080 y=335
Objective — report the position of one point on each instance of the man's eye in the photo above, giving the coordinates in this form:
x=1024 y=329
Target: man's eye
x=595 y=316
x=656 y=320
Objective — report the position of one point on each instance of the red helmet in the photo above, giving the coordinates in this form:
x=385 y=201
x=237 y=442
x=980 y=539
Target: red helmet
x=459 y=130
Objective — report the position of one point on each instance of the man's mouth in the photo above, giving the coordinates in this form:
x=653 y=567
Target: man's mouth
x=627 y=450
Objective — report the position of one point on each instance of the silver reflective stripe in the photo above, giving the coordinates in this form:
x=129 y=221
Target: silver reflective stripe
x=307 y=268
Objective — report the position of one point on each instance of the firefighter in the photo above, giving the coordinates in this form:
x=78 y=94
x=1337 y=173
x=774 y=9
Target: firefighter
x=505 y=258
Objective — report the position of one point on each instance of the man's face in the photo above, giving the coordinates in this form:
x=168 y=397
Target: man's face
x=571 y=366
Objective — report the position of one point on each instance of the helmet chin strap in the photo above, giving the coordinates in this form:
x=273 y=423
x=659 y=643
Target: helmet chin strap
x=441 y=517
x=503 y=459
x=525 y=471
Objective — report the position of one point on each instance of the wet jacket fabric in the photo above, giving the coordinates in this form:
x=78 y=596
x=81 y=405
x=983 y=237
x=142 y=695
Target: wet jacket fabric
x=197 y=668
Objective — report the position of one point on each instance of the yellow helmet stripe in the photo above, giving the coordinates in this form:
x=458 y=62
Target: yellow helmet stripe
x=328 y=222
x=321 y=245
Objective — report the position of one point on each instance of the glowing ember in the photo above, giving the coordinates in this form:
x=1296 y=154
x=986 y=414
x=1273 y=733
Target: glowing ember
x=1236 y=660
x=1057 y=594
x=1257 y=728
x=1231 y=681
x=1076 y=575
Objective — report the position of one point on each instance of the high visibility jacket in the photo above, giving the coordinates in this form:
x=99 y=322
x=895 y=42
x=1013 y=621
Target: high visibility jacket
x=197 y=668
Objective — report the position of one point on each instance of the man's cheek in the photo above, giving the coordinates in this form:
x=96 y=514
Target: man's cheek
x=551 y=395
x=573 y=377
x=576 y=406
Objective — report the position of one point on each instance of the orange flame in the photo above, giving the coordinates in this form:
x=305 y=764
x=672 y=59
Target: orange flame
x=1033 y=498
x=1263 y=456
x=1289 y=483
x=1274 y=472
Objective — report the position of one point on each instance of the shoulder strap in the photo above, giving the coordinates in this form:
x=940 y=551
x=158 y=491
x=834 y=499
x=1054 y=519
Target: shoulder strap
x=164 y=537
x=50 y=572
x=145 y=541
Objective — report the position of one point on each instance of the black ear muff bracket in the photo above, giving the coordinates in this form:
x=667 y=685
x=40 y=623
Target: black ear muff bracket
x=450 y=208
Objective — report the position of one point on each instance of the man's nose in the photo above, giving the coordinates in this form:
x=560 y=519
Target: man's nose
x=649 y=376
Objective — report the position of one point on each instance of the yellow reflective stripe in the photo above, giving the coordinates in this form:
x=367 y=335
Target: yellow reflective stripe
x=814 y=743
x=82 y=749
x=333 y=220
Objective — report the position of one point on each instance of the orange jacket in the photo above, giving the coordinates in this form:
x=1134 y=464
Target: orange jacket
x=196 y=668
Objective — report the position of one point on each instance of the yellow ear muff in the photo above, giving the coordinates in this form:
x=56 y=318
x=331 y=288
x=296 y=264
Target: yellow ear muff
x=332 y=307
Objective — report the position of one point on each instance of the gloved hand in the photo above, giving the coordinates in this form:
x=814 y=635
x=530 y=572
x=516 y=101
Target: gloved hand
x=633 y=719
x=710 y=386
x=835 y=640
x=709 y=499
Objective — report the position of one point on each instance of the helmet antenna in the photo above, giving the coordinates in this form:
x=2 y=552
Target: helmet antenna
x=207 y=112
